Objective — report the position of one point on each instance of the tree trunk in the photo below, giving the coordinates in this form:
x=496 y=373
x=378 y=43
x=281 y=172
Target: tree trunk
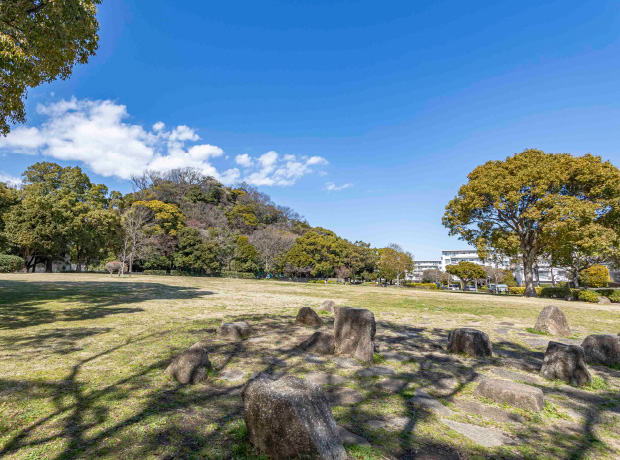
x=552 y=276
x=537 y=273
x=49 y=265
x=528 y=275
x=78 y=267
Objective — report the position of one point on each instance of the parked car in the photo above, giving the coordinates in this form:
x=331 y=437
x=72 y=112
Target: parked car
x=471 y=288
x=498 y=289
x=454 y=287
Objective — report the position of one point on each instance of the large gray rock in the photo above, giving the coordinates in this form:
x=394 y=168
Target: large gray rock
x=566 y=363
x=514 y=394
x=191 y=366
x=602 y=349
x=328 y=305
x=319 y=342
x=236 y=331
x=308 y=317
x=354 y=333
x=470 y=341
x=552 y=321
x=289 y=418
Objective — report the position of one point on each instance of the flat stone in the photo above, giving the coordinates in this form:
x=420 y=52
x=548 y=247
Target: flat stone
x=512 y=375
x=518 y=395
x=320 y=342
x=232 y=375
x=536 y=342
x=393 y=423
x=349 y=438
x=432 y=453
x=276 y=362
x=422 y=399
x=344 y=396
x=444 y=382
x=257 y=339
x=321 y=378
x=484 y=436
x=375 y=371
x=346 y=362
x=504 y=323
x=490 y=412
x=391 y=385
x=396 y=356
x=313 y=359
x=501 y=331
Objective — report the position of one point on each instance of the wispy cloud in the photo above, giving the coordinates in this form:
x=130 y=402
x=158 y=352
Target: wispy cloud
x=98 y=134
x=331 y=187
x=10 y=180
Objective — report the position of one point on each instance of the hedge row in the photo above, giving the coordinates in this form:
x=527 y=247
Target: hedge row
x=421 y=285
x=10 y=264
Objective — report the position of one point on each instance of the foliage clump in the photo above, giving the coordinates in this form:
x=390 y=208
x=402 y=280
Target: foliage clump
x=10 y=264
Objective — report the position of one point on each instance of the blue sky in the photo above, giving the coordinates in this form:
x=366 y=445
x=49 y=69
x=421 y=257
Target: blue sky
x=392 y=103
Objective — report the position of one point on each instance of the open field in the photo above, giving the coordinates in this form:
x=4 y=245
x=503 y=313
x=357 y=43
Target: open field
x=83 y=359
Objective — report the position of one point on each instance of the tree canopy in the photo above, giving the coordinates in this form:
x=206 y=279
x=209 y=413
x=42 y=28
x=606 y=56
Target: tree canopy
x=41 y=40
x=536 y=203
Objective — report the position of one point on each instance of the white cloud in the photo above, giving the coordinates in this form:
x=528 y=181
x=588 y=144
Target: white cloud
x=244 y=160
x=330 y=186
x=98 y=134
x=10 y=180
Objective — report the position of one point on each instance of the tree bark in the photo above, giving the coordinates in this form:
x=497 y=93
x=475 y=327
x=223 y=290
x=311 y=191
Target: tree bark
x=528 y=275
x=49 y=265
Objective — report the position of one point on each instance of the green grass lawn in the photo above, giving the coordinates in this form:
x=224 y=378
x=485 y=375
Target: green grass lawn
x=83 y=357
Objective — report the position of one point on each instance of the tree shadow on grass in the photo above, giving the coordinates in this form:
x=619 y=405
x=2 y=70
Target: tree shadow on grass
x=27 y=303
x=174 y=421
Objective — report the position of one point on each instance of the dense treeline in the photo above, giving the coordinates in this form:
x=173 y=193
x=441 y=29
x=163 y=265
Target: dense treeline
x=181 y=220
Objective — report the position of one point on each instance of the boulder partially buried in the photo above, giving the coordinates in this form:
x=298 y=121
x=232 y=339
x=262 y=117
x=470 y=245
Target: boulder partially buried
x=515 y=394
x=552 y=321
x=328 y=305
x=354 y=333
x=191 y=366
x=320 y=342
x=289 y=419
x=602 y=349
x=470 y=341
x=236 y=331
x=308 y=317
x=566 y=363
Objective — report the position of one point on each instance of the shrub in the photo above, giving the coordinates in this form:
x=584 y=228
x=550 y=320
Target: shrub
x=558 y=292
x=516 y=290
x=588 y=296
x=154 y=272
x=10 y=264
x=241 y=275
x=611 y=294
x=595 y=276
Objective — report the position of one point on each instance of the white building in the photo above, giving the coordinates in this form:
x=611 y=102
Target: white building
x=543 y=272
x=419 y=267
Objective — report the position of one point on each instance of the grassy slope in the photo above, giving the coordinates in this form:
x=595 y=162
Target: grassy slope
x=83 y=358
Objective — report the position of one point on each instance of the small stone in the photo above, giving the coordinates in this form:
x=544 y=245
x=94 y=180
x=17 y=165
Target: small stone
x=191 y=366
x=602 y=349
x=328 y=305
x=396 y=356
x=473 y=342
x=308 y=317
x=484 y=436
x=375 y=371
x=235 y=331
x=518 y=395
x=423 y=399
x=604 y=300
x=289 y=418
x=344 y=397
x=320 y=342
x=349 y=438
x=354 y=333
x=321 y=378
x=552 y=321
x=566 y=363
